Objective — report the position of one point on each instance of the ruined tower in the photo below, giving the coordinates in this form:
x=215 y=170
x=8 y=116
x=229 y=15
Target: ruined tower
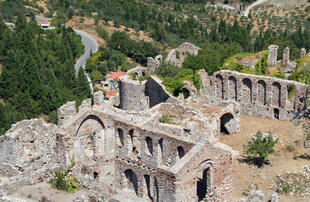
x=286 y=56
x=273 y=54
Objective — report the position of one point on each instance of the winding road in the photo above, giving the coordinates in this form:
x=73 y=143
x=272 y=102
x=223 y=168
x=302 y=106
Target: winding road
x=247 y=10
x=90 y=45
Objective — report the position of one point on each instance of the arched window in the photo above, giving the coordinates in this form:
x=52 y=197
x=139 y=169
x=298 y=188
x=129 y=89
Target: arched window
x=131 y=181
x=149 y=145
x=120 y=137
x=181 y=152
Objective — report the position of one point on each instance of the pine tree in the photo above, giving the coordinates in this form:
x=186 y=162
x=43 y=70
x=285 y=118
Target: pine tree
x=83 y=86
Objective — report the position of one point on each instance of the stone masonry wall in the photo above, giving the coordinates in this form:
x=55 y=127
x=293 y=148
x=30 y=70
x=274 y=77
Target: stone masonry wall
x=259 y=96
x=177 y=56
x=156 y=92
x=215 y=159
x=132 y=94
x=29 y=152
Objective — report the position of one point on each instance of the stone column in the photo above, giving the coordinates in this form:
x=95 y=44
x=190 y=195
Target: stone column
x=225 y=87
x=273 y=54
x=151 y=65
x=303 y=52
x=286 y=56
x=254 y=91
x=284 y=95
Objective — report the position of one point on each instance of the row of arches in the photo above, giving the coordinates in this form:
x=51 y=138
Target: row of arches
x=246 y=92
x=132 y=146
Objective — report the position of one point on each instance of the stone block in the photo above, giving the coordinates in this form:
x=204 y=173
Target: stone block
x=98 y=98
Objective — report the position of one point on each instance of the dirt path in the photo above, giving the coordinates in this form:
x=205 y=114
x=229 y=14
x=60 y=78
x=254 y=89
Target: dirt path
x=244 y=175
x=256 y=3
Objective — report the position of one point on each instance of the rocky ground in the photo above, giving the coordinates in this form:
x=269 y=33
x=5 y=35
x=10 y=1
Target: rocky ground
x=282 y=162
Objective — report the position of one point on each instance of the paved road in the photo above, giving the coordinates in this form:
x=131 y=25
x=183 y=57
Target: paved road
x=90 y=44
x=247 y=10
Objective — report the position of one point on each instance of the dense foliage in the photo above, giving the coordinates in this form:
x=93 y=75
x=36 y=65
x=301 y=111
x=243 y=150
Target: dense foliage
x=38 y=72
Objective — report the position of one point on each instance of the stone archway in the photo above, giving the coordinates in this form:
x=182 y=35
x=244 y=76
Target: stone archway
x=219 y=86
x=261 y=92
x=247 y=90
x=232 y=88
x=227 y=123
x=90 y=139
x=204 y=183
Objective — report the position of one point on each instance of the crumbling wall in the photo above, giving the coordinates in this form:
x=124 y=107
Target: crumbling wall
x=29 y=153
x=260 y=96
x=156 y=91
x=273 y=55
x=177 y=56
x=153 y=64
x=205 y=173
x=132 y=94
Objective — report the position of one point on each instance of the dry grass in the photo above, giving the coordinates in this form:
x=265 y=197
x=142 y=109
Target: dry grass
x=88 y=25
x=282 y=161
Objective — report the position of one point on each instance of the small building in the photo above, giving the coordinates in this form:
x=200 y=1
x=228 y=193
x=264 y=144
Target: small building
x=110 y=85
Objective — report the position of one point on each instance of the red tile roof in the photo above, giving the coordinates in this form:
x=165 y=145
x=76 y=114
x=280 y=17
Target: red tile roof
x=110 y=93
x=116 y=75
x=43 y=22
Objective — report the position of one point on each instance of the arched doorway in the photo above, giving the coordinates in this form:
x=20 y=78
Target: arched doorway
x=90 y=139
x=225 y=119
x=204 y=183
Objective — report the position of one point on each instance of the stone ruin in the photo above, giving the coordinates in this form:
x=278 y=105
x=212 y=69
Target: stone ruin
x=259 y=96
x=128 y=155
x=176 y=57
x=287 y=66
x=273 y=55
x=125 y=151
x=152 y=64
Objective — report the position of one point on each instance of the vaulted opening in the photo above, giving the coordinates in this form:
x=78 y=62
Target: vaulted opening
x=181 y=152
x=131 y=181
x=161 y=150
x=225 y=119
x=149 y=145
x=120 y=137
x=204 y=184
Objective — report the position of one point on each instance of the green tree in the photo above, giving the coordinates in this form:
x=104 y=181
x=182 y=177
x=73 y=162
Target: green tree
x=83 y=88
x=260 y=147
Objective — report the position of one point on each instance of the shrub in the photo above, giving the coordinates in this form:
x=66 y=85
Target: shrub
x=62 y=180
x=165 y=119
x=290 y=148
x=308 y=137
x=260 y=147
x=133 y=76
